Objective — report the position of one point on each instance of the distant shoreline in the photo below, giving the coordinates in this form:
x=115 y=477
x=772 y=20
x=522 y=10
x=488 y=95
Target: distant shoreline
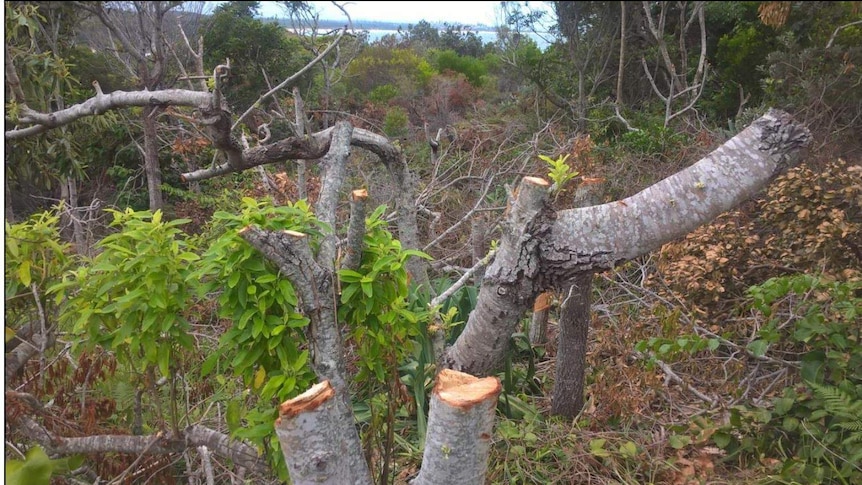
x=383 y=25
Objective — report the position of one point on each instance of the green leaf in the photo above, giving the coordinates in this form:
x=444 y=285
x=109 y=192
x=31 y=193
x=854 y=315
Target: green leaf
x=165 y=359
x=347 y=292
x=813 y=364
x=210 y=363
x=629 y=449
x=721 y=439
x=273 y=385
x=36 y=469
x=758 y=348
x=597 y=447
x=24 y=273
x=300 y=361
x=232 y=415
x=678 y=441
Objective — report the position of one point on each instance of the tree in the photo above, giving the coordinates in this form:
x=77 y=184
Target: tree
x=540 y=248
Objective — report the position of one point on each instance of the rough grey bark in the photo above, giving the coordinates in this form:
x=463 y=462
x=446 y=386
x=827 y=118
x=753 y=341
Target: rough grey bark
x=18 y=357
x=334 y=172
x=151 y=158
x=543 y=249
x=460 y=424
x=478 y=246
x=311 y=429
x=7 y=199
x=568 y=395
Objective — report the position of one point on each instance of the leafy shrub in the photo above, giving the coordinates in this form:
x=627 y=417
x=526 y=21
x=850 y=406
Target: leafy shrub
x=814 y=427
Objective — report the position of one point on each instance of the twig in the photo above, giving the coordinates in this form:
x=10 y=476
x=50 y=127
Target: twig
x=463 y=279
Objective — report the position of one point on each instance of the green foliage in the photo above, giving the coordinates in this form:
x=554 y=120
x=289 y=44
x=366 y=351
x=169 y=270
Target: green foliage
x=374 y=303
x=37 y=468
x=474 y=69
x=253 y=47
x=396 y=123
x=376 y=66
x=814 y=427
x=382 y=94
x=264 y=343
x=131 y=297
x=560 y=172
x=653 y=140
x=33 y=257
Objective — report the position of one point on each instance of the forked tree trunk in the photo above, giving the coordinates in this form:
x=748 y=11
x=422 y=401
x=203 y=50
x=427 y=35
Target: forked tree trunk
x=543 y=249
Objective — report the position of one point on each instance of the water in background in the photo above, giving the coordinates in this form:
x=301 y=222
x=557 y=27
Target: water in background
x=486 y=36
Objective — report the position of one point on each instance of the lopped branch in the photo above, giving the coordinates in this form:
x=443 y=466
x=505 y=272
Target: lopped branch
x=541 y=249
x=311 y=431
x=355 y=230
x=314 y=284
x=242 y=454
x=17 y=358
x=460 y=423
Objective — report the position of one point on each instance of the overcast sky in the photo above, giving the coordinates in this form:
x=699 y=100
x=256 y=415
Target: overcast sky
x=468 y=13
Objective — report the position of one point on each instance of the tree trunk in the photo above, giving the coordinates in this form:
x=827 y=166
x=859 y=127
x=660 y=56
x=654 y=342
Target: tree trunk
x=568 y=397
x=7 y=199
x=542 y=249
x=460 y=424
x=151 y=158
x=311 y=428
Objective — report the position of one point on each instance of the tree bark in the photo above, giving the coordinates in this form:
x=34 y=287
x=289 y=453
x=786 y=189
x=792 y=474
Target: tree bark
x=460 y=423
x=543 y=249
x=242 y=454
x=509 y=286
x=151 y=158
x=539 y=322
x=311 y=431
x=568 y=396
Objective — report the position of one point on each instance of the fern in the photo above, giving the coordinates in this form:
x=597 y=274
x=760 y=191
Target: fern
x=838 y=402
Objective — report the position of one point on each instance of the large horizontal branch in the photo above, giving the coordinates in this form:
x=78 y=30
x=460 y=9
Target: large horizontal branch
x=242 y=454
x=102 y=103
x=541 y=249
x=599 y=237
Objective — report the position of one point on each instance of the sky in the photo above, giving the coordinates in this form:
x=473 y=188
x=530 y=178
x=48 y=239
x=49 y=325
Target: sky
x=466 y=13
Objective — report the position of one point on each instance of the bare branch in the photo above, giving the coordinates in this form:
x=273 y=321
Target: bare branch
x=101 y=103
